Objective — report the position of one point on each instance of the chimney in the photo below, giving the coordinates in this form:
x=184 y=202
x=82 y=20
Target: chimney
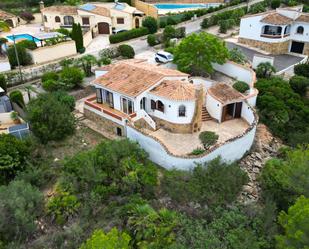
x=41 y=8
x=41 y=5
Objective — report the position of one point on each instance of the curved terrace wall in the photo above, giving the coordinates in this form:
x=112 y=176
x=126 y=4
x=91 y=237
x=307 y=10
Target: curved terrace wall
x=231 y=150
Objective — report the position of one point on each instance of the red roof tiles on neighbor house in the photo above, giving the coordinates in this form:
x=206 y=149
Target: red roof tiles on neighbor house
x=133 y=78
x=175 y=90
x=224 y=93
x=303 y=18
x=62 y=9
x=277 y=19
x=5 y=15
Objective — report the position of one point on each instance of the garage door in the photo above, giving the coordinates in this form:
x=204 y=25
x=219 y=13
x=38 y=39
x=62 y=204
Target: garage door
x=103 y=28
x=297 y=47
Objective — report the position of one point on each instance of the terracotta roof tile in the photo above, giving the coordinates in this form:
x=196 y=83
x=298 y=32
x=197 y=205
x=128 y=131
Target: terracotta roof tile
x=224 y=93
x=303 y=18
x=132 y=78
x=101 y=11
x=174 y=90
x=5 y=15
x=62 y=9
x=277 y=19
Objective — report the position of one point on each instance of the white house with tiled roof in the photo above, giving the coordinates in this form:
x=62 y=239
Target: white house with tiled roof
x=279 y=31
x=143 y=101
x=11 y=19
x=100 y=17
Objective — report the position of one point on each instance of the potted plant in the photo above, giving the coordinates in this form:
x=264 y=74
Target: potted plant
x=15 y=118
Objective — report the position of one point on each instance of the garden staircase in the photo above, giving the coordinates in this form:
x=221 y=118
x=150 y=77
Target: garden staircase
x=205 y=114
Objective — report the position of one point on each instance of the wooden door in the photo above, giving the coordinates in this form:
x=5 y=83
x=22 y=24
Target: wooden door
x=103 y=28
x=238 y=110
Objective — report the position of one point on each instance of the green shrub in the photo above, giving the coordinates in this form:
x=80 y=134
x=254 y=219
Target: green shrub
x=152 y=40
x=50 y=76
x=197 y=151
x=237 y=56
x=169 y=33
x=17 y=97
x=3 y=83
x=302 y=69
x=257 y=8
x=223 y=26
x=127 y=35
x=151 y=24
x=171 y=21
x=180 y=32
x=51 y=85
x=265 y=70
x=65 y=99
x=208 y=138
x=126 y=51
x=204 y=23
x=64 y=31
x=274 y=4
x=24 y=57
x=299 y=84
x=162 y=24
x=241 y=86
x=28 y=44
x=71 y=77
x=62 y=205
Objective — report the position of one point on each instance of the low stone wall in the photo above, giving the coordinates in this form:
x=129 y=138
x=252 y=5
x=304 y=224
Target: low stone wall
x=55 y=52
x=231 y=150
x=172 y=127
x=306 y=48
x=273 y=48
x=108 y=125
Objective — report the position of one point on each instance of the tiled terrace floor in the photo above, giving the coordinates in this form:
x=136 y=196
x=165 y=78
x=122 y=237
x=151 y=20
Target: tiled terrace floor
x=182 y=144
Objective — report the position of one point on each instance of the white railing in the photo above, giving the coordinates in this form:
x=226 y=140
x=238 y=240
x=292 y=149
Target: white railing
x=146 y=117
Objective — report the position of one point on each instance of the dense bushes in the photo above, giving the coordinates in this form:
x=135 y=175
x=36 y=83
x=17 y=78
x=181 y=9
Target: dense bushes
x=208 y=138
x=274 y=4
x=215 y=183
x=24 y=57
x=241 y=86
x=265 y=70
x=299 y=84
x=17 y=97
x=282 y=110
x=237 y=56
x=151 y=40
x=3 y=83
x=302 y=69
x=126 y=51
x=50 y=119
x=13 y=157
x=151 y=24
x=127 y=35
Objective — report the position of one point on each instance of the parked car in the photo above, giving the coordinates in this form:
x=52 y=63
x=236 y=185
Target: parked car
x=163 y=57
x=116 y=31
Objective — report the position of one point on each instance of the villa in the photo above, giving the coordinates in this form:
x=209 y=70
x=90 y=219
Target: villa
x=165 y=110
x=101 y=18
x=278 y=32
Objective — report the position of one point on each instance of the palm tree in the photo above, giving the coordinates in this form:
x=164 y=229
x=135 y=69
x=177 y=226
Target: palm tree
x=87 y=62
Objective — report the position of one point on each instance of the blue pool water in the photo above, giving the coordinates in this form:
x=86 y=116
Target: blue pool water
x=180 y=6
x=23 y=36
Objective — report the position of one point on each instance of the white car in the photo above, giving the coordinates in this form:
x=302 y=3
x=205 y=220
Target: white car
x=116 y=31
x=163 y=57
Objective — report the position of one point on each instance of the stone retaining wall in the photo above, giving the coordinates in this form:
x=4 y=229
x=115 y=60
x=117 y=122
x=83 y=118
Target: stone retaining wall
x=273 y=48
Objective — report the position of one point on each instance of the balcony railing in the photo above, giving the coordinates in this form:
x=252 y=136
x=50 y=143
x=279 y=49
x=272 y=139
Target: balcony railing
x=274 y=36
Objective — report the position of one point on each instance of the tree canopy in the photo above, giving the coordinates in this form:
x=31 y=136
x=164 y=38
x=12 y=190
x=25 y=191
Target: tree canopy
x=197 y=52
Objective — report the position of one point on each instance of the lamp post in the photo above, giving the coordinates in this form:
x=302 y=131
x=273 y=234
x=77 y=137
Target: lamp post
x=17 y=59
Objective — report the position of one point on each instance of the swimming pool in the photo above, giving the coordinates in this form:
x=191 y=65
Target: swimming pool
x=23 y=37
x=182 y=6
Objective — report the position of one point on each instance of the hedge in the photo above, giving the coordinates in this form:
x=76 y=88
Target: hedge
x=127 y=35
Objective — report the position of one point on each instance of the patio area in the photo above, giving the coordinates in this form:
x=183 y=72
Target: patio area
x=184 y=144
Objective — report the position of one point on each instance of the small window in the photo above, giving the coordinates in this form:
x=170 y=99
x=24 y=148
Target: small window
x=45 y=18
x=68 y=20
x=182 y=111
x=153 y=105
x=300 y=30
x=120 y=20
x=57 y=19
x=85 y=20
x=119 y=131
x=160 y=106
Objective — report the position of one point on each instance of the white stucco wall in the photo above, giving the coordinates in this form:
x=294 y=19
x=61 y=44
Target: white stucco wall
x=236 y=71
x=170 y=113
x=5 y=65
x=300 y=37
x=228 y=152
x=214 y=107
x=205 y=82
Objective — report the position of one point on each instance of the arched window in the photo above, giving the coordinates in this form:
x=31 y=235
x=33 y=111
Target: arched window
x=300 y=30
x=182 y=111
x=287 y=30
x=45 y=18
x=68 y=20
x=160 y=106
x=57 y=19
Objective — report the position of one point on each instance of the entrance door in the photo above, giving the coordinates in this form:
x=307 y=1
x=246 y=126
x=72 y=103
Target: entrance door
x=103 y=28
x=228 y=112
x=297 y=47
x=143 y=103
x=137 y=23
x=238 y=110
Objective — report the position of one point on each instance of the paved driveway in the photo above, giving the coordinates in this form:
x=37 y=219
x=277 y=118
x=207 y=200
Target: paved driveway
x=280 y=61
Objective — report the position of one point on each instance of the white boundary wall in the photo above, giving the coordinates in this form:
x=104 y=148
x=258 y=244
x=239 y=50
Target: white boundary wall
x=4 y=65
x=229 y=152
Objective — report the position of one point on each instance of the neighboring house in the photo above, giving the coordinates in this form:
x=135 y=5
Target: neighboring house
x=278 y=32
x=101 y=18
x=132 y=94
x=9 y=18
